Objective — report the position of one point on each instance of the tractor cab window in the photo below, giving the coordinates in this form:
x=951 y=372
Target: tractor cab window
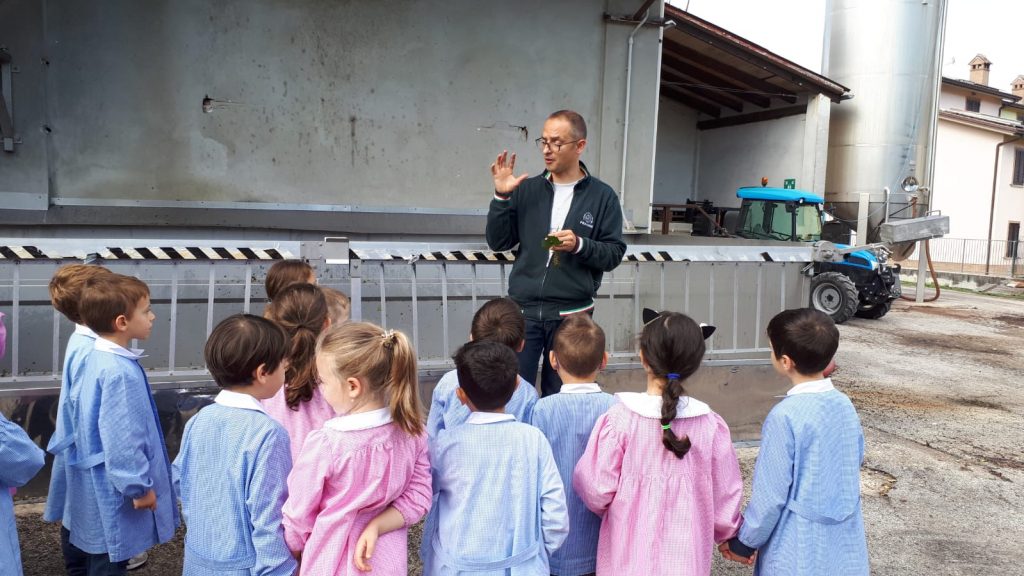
x=808 y=223
x=774 y=220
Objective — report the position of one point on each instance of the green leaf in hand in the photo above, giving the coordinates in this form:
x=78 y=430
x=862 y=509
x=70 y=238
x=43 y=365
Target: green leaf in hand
x=549 y=243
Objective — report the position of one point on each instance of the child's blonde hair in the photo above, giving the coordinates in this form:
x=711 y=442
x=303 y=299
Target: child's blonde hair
x=301 y=310
x=338 y=305
x=66 y=287
x=384 y=361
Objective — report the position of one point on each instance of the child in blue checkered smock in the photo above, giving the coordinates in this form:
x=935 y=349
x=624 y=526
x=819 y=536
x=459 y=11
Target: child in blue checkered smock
x=567 y=418
x=501 y=321
x=804 y=515
x=20 y=460
x=65 y=292
x=499 y=501
x=117 y=498
x=232 y=468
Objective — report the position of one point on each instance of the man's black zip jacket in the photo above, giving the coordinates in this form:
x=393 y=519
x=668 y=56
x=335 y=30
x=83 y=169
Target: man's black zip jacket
x=548 y=291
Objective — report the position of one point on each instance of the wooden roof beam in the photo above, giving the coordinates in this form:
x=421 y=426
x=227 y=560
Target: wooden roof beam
x=691 y=101
x=720 y=68
x=714 y=82
x=721 y=98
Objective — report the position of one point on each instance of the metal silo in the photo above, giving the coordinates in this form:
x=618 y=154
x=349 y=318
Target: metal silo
x=889 y=53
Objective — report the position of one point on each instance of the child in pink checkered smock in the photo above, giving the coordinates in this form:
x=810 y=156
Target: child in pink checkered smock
x=660 y=467
x=301 y=309
x=363 y=478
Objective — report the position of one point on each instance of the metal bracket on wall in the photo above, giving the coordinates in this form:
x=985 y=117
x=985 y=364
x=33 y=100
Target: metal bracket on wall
x=6 y=103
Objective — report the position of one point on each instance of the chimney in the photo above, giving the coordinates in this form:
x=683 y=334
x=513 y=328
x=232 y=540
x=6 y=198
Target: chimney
x=979 y=69
x=1018 y=86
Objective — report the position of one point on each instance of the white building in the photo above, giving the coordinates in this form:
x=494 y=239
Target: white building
x=979 y=158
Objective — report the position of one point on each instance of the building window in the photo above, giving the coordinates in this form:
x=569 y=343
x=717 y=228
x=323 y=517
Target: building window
x=973 y=105
x=1018 y=167
x=1013 y=240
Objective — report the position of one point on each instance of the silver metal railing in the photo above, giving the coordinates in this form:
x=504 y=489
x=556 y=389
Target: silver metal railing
x=975 y=256
x=430 y=292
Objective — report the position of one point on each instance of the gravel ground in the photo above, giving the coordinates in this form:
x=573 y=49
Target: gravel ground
x=937 y=389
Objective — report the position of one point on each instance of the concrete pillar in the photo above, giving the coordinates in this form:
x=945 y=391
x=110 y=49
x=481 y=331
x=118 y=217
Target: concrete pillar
x=812 y=173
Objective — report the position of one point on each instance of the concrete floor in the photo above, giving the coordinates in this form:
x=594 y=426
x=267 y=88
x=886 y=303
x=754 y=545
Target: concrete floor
x=937 y=389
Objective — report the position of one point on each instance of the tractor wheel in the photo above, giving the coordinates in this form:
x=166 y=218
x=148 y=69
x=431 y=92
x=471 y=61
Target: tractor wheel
x=834 y=294
x=874 y=311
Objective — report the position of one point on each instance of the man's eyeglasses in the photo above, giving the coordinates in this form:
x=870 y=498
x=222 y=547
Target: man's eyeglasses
x=555 y=146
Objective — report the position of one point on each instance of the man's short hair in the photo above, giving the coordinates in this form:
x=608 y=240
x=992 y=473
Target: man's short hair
x=104 y=298
x=579 y=345
x=66 y=287
x=488 y=373
x=239 y=345
x=577 y=125
x=808 y=336
x=499 y=320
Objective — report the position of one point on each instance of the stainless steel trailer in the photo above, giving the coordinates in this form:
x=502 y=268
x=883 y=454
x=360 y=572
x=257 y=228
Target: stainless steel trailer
x=430 y=291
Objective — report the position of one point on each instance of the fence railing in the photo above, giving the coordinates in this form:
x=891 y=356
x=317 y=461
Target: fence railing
x=972 y=256
x=429 y=295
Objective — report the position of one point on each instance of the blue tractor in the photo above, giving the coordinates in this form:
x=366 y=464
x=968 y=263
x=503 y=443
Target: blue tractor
x=854 y=282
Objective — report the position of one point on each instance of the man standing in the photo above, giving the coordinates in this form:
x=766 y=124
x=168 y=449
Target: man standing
x=567 y=203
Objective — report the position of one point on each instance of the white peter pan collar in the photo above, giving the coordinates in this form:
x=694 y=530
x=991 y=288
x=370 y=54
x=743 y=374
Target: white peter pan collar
x=812 y=387
x=489 y=418
x=360 y=421
x=104 y=345
x=649 y=406
x=579 y=389
x=84 y=330
x=238 y=400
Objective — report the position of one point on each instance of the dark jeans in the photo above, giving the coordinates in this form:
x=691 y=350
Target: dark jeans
x=79 y=563
x=539 y=334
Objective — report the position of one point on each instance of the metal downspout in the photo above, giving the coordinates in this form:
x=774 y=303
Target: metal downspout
x=933 y=126
x=625 y=120
x=992 y=203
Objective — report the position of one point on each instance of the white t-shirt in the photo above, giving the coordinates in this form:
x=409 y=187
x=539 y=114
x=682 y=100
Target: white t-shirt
x=560 y=207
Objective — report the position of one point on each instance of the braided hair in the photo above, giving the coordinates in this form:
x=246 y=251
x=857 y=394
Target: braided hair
x=673 y=346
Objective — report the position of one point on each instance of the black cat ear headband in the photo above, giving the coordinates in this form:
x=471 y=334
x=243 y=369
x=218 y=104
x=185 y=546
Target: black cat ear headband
x=650 y=315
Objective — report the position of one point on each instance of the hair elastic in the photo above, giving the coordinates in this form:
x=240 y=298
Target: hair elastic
x=666 y=426
x=672 y=376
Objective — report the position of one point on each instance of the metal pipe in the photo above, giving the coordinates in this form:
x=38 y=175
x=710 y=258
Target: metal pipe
x=933 y=120
x=625 y=114
x=992 y=203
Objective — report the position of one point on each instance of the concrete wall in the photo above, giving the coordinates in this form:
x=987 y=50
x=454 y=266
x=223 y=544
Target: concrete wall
x=677 y=156
x=740 y=155
x=386 y=105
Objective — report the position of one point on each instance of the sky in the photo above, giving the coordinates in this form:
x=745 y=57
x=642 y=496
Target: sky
x=794 y=29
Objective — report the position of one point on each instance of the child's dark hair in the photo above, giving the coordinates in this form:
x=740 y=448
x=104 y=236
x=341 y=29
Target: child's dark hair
x=673 y=346
x=579 y=345
x=384 y=361
x=108 y=296
x=488 y=373
x=301 y=310
x=285 y=273
x=66 y=287
x=239 y=345
x=808 y=336
x=499 y=320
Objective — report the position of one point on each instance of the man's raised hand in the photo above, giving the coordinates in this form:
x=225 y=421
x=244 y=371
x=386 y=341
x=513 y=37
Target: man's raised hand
x=504 y=180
